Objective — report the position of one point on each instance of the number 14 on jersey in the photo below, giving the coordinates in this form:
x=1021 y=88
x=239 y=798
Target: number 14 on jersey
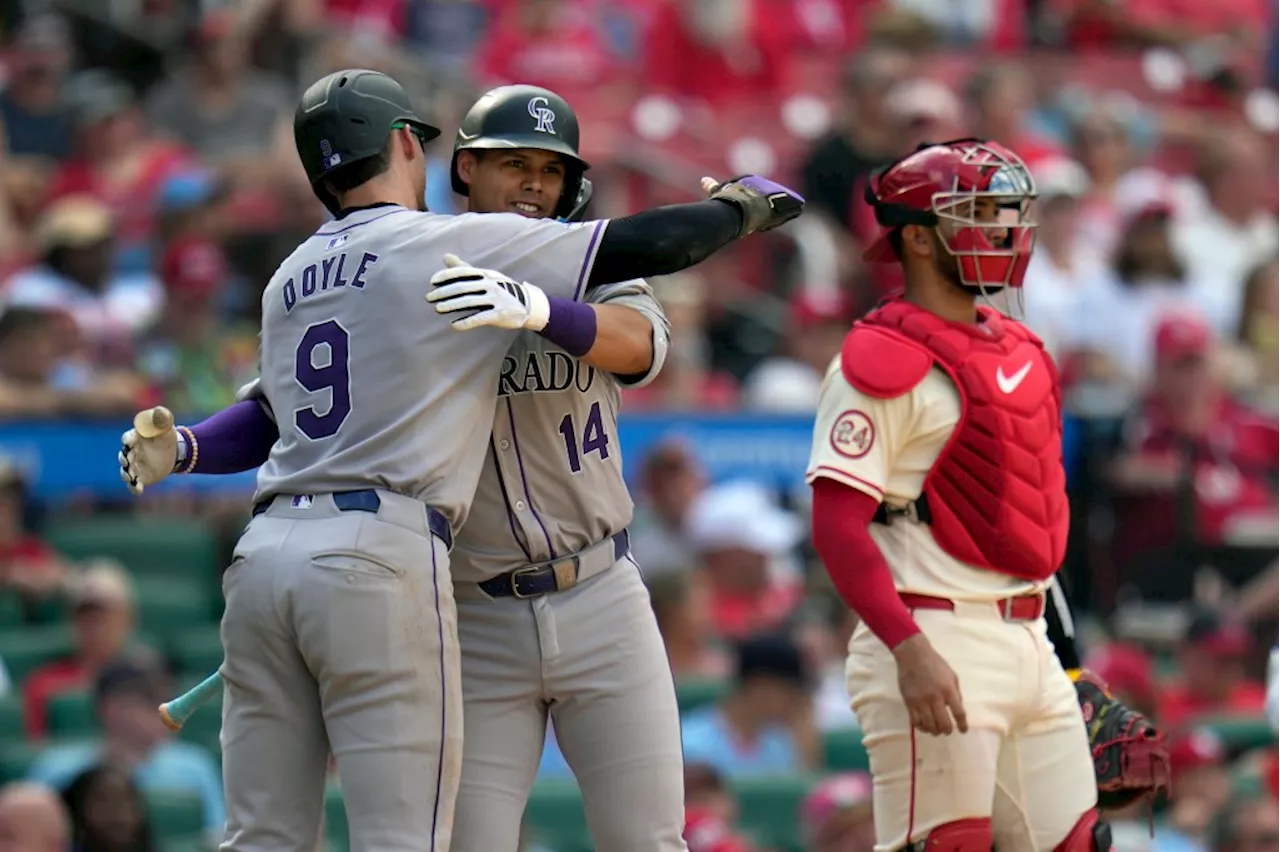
x=594 y=438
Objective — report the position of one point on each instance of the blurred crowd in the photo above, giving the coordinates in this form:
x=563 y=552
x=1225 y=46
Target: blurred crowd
x=149 y=187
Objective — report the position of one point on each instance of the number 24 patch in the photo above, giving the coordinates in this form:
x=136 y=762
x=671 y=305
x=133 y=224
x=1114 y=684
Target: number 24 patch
x=853 y=434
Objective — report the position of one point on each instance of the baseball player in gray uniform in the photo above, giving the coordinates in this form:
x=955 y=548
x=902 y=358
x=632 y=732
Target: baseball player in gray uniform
x=370 y=423
x=553 y=616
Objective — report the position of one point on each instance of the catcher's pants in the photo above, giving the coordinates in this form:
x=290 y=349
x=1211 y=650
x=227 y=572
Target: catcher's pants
x=340 y=632
x=593 y=658
x=1025 y=762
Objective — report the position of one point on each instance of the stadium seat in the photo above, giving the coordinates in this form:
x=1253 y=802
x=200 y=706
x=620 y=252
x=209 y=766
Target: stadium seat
x=25 y=649
x=692 y=694
x=554 y=815
x=769 y=808
x=71 y=714
x=16 y=756
x=174 y=814
x=10 y=717
x=197 y=651
x=843 y=751
x=194 y=843
x=1243 y=733
x=10 y=611
x=169 y=546
x=167 y=605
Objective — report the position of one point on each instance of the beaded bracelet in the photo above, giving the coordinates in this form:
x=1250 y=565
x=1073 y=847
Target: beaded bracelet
x=193 y=451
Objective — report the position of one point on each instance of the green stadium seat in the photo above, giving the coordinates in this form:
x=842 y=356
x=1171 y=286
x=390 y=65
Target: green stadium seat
x=1242 y=733
x=71 y=714
x=15 y=758
x=11 y=717
x=197 y=651
x=174 y=814
x=843 y=751
x=554 y=815
x=167 y=605
x=10 y=611
x=166 y=546
x=25 y=649
x=337 y=836
x=696 y=693
x=194 y=843
x=769 y=808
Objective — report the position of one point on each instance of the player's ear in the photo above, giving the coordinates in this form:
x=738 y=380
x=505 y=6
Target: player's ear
x=466 y=166
x=917 y=240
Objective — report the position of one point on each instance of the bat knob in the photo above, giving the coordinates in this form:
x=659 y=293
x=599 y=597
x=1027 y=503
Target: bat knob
x=167 y=719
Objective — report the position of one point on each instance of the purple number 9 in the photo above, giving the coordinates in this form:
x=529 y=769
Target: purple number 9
x=334 y=377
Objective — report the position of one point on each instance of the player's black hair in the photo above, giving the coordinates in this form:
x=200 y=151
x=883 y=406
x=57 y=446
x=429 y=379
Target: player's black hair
x=346 y=178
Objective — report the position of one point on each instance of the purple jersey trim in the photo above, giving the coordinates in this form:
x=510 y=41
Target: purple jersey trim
x=588 y=259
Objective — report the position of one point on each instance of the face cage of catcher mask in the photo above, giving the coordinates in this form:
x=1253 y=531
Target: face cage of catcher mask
x=1013 y=192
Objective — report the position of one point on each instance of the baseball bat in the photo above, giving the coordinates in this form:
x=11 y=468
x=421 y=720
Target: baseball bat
x=175 y=713
x=153 y=421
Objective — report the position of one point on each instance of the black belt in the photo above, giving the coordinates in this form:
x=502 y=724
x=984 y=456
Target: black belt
x=367 y=500
x=531 y=581
x=917 y=510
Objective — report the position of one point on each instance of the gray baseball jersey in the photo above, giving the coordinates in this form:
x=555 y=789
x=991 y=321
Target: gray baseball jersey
x=368 y=384
x=552 y=478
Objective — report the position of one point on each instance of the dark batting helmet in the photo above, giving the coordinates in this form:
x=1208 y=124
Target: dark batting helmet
x=346 y=117
x=524 y=117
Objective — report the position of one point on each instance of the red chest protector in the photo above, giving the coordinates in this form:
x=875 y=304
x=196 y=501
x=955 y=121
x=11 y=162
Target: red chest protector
x=996 y=497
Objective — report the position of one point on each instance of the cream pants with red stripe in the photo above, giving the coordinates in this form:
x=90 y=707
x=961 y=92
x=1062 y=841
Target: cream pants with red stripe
x=1025 y=761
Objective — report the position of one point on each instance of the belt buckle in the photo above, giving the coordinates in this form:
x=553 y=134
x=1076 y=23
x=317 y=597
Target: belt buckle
x=1006 y=607
x=515 y=586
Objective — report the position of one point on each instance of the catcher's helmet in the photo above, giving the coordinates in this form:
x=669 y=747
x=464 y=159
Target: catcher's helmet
x=346 y=117
x=524 y=117
x=943 y=182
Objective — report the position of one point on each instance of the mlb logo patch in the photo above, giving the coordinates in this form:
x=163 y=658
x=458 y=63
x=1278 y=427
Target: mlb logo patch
x=301 y=501
x=337 y=242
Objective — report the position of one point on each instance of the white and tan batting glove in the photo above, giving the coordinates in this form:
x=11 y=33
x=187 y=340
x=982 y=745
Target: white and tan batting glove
x=487 y=297
x=148 y=451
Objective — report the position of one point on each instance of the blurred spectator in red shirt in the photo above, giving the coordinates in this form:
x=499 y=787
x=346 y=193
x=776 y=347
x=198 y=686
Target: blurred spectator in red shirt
x=28 y=566
x=383 y=19
x=102 y=623
x=115 y=158
x=682 y=605
x=836 y=816
x=710 y=811
x=75 y=240
x=1107 y=25
x=1201 y=787
x=30 y=105
x=714 y=51
x=1100 y=141
x=1211 y=680
x=1191 y=435
x=789 y=382
x=998 y=25
x=1127 y=671
x=744 y=540
x=548 y=43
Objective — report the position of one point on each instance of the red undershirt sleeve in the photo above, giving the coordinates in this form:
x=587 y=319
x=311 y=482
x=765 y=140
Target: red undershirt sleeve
x=841 y=517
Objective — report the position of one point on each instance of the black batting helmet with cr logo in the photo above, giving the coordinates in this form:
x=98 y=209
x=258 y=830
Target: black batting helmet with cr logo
x=524 y=117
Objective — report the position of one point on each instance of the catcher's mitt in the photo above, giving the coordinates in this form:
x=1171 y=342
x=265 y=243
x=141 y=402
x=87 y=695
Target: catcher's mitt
x=1130 y=760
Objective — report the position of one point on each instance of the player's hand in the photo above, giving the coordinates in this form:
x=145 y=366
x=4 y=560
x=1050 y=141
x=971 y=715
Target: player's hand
x=764 y=204
x=148 y=451
x=930 y=688
x=489 y=298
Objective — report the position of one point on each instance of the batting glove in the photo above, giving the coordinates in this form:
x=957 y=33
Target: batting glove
x=147 y=460
x=764 y=204
x=492 y=298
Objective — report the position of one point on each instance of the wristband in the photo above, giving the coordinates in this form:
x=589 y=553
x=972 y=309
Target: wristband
x=570 y=325
x=187 y=459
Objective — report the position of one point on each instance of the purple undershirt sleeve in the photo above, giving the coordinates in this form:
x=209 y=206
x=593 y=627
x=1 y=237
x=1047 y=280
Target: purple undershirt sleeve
x=235 y=439
x=571 y=326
